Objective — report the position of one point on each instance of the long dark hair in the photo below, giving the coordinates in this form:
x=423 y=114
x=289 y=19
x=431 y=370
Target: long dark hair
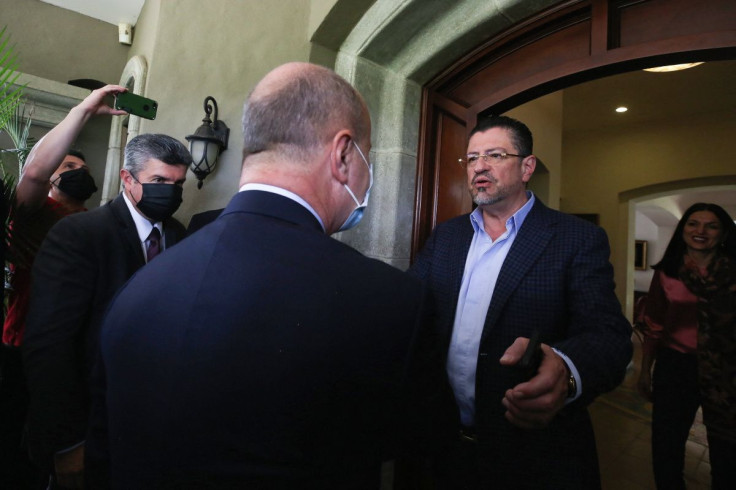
x=673 y=255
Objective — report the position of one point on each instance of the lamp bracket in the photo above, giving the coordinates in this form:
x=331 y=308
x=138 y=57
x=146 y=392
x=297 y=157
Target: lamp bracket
x=222 y=132
x=209 y=102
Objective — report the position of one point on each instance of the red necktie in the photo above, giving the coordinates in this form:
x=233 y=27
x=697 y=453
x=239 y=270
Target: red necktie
x=154 y=244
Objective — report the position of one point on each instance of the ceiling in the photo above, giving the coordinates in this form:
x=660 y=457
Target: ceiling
x=589 y=106
x=112 y=11
x=666 y=211
x=707 y=89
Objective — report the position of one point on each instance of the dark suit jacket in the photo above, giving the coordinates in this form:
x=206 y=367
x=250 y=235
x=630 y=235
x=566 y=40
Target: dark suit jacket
x=199 y=220
x=556 y=278
x=82 y=262
x=261 y=353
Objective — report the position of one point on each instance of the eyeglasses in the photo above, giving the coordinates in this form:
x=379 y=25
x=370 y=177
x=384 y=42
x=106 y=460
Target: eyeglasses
x=494 y=158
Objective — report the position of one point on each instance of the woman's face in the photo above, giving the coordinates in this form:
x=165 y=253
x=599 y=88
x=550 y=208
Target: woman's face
x=702 y=232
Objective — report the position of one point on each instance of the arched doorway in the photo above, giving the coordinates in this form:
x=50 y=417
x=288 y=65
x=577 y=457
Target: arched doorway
x=399 y=54
x=562 y=46
x=657 y=215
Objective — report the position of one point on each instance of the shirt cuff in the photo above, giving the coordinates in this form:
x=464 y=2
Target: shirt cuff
x=70 y=448
x=575 y=374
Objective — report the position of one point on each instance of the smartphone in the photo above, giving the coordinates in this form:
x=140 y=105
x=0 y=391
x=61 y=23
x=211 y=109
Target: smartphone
x=136 y=105
x=532 y=358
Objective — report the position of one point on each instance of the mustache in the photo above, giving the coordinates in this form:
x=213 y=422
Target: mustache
x=484 y=175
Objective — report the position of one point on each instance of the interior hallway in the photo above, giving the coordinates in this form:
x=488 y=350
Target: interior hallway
x=622 y=428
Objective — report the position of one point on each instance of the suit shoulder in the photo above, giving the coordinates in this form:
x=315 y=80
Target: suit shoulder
x=453 y=225
x=456 y=222
x=395 y=274
x=87 y=220
x=175 y=225
x=573 y=222
x=376 y=269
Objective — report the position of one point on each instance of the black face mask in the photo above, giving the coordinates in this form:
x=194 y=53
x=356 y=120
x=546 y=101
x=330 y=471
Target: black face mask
x=77 y=184
x=159 y=201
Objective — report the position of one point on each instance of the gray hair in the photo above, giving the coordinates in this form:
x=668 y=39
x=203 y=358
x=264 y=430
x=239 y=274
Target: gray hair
x=301 y=112
x=145 y=147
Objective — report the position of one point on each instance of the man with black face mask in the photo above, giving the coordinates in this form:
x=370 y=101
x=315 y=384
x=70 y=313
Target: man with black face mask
x=54 y=183
x=81 y=264
x=76 y=184
x=33 y=215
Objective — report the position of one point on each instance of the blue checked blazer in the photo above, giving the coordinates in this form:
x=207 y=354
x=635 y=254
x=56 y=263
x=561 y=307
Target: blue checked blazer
x=557 y=278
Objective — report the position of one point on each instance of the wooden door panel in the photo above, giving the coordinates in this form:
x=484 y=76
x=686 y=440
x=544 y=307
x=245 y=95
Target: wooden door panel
x=520 y=62
x=452 y=196
x=646 y=22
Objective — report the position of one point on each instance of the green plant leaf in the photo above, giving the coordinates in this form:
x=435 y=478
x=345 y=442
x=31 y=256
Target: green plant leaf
x=10 y=91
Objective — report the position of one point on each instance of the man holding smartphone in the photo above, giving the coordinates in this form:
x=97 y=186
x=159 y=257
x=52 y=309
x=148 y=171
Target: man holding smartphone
x=55 y=182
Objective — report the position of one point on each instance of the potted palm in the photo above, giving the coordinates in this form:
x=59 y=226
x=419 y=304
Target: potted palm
x=10 y=123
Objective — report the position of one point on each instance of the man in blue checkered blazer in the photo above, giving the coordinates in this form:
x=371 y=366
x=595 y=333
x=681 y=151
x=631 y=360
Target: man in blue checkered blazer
x=511 y=268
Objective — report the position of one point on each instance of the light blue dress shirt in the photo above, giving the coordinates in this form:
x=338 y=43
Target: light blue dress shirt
x=482 y=266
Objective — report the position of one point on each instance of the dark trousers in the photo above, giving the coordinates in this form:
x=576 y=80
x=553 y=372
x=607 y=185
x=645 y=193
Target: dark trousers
x=516 y=461
x=16 y=470
x=676 y=398
x=458 y=468
x=722 y=463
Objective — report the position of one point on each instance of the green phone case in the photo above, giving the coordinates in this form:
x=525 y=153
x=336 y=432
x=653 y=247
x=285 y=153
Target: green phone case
x=136 y=105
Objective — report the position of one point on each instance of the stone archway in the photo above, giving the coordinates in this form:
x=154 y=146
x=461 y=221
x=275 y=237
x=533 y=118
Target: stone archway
x=391 y=50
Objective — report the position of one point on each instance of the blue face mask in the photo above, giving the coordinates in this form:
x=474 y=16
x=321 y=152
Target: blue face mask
x=357 y=213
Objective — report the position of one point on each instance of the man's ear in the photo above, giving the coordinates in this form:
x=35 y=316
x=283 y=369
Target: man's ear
x=126 y=177
x=339 y=147
x=528 y=165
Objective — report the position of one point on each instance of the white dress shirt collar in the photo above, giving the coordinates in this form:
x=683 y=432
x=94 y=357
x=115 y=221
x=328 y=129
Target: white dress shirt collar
x=282 y=192
x=142 y=225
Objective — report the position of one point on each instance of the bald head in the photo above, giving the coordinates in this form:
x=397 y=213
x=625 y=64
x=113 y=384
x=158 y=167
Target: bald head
x=299 y=106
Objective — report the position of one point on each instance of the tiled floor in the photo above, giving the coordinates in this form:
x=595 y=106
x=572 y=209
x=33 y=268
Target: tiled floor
x=623 y=439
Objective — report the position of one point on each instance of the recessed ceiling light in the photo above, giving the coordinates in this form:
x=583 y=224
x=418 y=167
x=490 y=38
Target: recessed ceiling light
x=665 y=69
x=622 y=109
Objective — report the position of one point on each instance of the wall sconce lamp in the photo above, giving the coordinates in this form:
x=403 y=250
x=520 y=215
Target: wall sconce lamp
x=207 y=142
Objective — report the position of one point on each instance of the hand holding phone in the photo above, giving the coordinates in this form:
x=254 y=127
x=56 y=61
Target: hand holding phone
x=532 y=358
x=136 y=105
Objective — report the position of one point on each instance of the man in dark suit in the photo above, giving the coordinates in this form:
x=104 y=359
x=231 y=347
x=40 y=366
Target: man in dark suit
x=55 y=182
x=83 y=261
x=260 y=352
x=202 y=219
x=509 y=268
